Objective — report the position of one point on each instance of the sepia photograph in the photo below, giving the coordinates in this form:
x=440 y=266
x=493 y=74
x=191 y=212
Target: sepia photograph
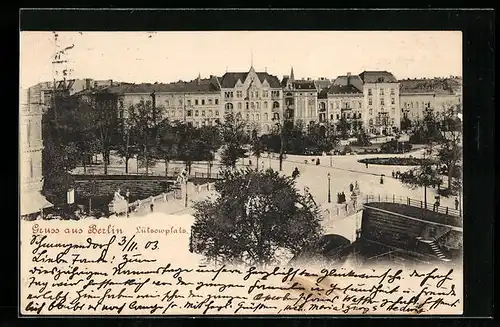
x=241 y=172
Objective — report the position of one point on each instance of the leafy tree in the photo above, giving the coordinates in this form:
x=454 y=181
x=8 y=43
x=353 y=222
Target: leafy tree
x=233 y=135
x=124 y=141
x=343 y=127
x=168 y=143
x=258 y=146
x=211 y=136
x=255 y=215
x=405 y=123
x=425 y=175
x=143 y=118
x=450 y=149
x=362 y=139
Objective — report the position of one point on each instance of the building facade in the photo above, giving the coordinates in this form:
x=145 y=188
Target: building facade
x=418 y=96
x=345 y=103
x=256 y=97
x=381 y=102
x=31 y=146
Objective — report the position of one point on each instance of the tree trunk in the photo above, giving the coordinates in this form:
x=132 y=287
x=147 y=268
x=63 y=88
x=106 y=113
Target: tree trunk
x=257 y=157
x=425 y=196
x=84 y=163
x=450 y=173
x=126 y=165
x=166 y=167
x=146 y=160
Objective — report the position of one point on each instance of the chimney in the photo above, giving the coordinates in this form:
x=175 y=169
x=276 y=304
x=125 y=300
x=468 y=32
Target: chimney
x=199 y=79
x=348 y=78
x=111 y=82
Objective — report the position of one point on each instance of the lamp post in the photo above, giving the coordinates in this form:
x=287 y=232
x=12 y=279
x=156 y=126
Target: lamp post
x=329 y=192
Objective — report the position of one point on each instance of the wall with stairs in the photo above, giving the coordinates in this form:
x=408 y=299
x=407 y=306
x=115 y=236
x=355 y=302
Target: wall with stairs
x=406 y=232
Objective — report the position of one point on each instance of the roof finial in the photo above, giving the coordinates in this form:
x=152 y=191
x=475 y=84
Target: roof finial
x=199 y=78
x=292 y=78
x=251 y=59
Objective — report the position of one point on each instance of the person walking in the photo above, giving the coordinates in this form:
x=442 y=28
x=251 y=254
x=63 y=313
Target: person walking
x=366 y=165
x=295 y=173
x=381 y=179
x=351 y=187
x=456 y=203
x=151 y=207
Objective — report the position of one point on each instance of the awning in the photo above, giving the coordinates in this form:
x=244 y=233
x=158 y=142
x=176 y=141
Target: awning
x=33 y=202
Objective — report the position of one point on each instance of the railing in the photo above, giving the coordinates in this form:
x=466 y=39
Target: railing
x=411 y=202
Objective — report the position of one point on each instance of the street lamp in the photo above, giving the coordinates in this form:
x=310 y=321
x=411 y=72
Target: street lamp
x=329 y=192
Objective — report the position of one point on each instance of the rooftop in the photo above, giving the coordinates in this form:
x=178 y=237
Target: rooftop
x=344 y=89
x=377 y=77
x=427 y=85
x=203 y=85
x=229 y=80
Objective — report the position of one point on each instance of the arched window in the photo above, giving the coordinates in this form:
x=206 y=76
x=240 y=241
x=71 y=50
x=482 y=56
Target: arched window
x=322 y=106
x=266 y=116
x=252 y=105
x=370 y=122
x=265 y=105
x=276 y=104
x=239 y=105
x=257 y=117
x=229 y=106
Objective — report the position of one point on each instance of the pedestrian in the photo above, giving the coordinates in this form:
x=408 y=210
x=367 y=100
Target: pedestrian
x=295 y=173
x=151 y=207
x=317 y=162
x=366 y=165
x=393 y=174
x=338 y=198
x=127 y=195
x=343 y=197
x=305 y=161
x=381 y=179
x=250 y=162
x=351 y=187
x=456 y=203
x=346 y=207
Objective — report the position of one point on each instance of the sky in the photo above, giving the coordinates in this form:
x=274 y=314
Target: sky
x=171 y=56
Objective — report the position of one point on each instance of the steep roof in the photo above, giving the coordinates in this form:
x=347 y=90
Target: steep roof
x=354 y=80
x=229 y=80
x=377 y=77
x=304 y=85
x=323 y=83
x=344 y=89
x=323 y=94
x=204 y=85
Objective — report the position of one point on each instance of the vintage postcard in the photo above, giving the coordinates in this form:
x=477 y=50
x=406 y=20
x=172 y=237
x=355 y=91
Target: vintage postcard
x=241 y=173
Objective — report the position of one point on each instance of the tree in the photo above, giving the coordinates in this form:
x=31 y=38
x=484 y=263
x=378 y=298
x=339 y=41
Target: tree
x=450 y=150
x=212 y=139
x=425 y=175
x=343 y=127
x=233 y=135
x=405 y=123
x=124 y=141
x=257 y=146
x=362 y=139
x=168 y=143
x=255 y=215
x=143 y=118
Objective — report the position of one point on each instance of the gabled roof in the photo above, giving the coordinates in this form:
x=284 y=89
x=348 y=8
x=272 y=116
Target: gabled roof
x=377 y=77
x=229 y=80
x=344 y=89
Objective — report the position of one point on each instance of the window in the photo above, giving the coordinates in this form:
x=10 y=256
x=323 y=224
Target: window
x=393 y=111
x=216 y=113
x=196 y=102
x=229 y=106
x=247 y=105
x=173 y=113
x=381 y=91
x=228 y=94
x=265 y=94
x=203 y=112
x=248 y=116
x=265 y=105
x=393 y=101
x=210 y=101
x=180 y=102
x=266 y=116
x=370 y=122
x=382 y=101
x=338 y=116
x=392 y=91
x=253 y=117
x=202 y=102
x=331 y=116
x=189 y=113
x=239 y=94
x=189 y=102
x=275 y=94
x=370 y=111
x=258 y=105
x=276 y=104
x=417 y=105
x=369 y=92
x=370 y=102
x=256 y=94
x=331 y=105
x=239 y=105
x=196 y=113
x=253 y=105
x=257 y=116
x=216 y=101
